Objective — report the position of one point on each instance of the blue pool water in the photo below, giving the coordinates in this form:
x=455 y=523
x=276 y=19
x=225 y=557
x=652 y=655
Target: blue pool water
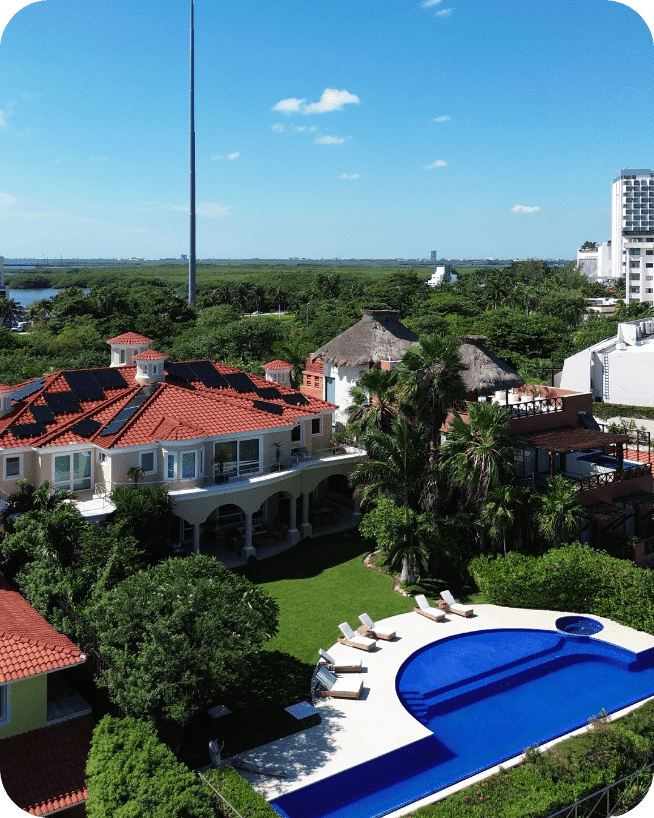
x=607 y=461
x=485 y=696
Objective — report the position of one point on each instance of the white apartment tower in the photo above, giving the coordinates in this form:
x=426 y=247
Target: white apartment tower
x=632 y=232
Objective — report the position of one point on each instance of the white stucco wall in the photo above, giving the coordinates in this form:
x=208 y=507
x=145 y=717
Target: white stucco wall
x=345 y=377
x=576 y=372
x=631 y=374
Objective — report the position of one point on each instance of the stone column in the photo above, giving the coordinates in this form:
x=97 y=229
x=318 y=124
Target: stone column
x=293 y=533
x=306 y=529
x=248 y=549
x=196 y=538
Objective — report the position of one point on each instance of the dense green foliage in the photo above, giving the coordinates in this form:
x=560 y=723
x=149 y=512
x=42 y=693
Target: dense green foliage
x=131 y=774
x=181 y=634
x=239 y=793
x=566 y=772
x=573 y=578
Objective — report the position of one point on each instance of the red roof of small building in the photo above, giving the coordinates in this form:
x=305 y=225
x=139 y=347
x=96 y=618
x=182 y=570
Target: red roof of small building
x=315 y=367
x=130 y=338
x=5 y=388
x=277 y=364
x=28 y=644
x=150 y=355
x=44 y=770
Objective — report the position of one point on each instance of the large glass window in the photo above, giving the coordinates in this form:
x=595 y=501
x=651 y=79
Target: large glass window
x=12 y=467
x=237 y=457
x=248 y=456
x=147 y=462
x=73 y=471
x=184 y=465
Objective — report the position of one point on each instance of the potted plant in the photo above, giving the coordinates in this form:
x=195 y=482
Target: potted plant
x=135 y=474
x=223 y=455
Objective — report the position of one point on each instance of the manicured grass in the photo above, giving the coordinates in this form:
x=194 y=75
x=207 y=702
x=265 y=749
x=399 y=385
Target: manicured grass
x=320 y=583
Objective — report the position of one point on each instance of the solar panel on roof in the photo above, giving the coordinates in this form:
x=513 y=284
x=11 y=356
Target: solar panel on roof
x=42 y=414
x=86 y=428
x=297 y=399
x=181 y=372
x=62 y=402
x=27 y=429
x=109 y=378
x=83 y=385
x=29 y=389
x=268 y=392
x=273 y=408
x=119 y=421
x=206 y=372
x=240 y=382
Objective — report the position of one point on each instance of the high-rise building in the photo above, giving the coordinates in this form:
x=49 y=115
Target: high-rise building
x=632 y=232
x=433 y=256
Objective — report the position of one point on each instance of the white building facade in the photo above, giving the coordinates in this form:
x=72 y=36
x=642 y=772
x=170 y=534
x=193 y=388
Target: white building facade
x=595 y=263
x=632 y=232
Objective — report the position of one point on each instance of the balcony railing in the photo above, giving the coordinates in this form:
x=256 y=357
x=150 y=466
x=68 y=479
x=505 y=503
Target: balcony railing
x=594 y=481
x=525 y=408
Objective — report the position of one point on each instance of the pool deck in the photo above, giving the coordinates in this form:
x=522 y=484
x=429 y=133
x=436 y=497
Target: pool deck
x=354 y=731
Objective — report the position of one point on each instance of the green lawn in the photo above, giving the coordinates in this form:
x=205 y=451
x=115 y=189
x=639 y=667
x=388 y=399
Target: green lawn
x=319 y=584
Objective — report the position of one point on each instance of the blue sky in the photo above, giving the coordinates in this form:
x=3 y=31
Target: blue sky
x=347 y=128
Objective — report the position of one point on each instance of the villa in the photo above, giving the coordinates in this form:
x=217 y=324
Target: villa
x=242 y=456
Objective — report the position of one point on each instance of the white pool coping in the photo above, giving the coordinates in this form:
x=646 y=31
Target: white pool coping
x=355 y=731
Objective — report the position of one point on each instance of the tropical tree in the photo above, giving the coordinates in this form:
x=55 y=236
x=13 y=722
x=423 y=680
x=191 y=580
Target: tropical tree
x=479 y=453
x=557 y=510
x=430 y=377
x=501 y=511
x=374 y=402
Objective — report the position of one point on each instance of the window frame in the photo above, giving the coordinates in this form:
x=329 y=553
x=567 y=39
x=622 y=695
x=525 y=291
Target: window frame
x=19 y=458
x=72 y=480
x=315 y=421
x=176 y=460
x=152 y=453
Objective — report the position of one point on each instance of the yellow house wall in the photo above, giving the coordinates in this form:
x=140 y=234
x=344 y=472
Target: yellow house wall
x=28 y=702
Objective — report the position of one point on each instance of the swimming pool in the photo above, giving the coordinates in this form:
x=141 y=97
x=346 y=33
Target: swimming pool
x=485 y=696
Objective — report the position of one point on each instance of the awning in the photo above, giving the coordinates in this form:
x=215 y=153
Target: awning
x=572 y=439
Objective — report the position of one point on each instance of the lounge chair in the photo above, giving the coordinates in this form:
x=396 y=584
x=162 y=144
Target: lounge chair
x=375 y=630
x=351 y=667
x=342 y=687
x=425 y=609
x=354 y=640
x=456 y=607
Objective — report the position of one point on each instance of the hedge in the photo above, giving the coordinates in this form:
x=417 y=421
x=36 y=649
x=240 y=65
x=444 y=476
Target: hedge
x=547 y=781
x=131 y=774
x=574 y=578
x=613 y=410
x=235 y=789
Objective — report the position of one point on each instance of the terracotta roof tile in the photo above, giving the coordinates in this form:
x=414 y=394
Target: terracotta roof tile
x=130 y=338
x=44 y=770
x=313 y=366
x=277 y=364
x=28 y=644
x=150 y=355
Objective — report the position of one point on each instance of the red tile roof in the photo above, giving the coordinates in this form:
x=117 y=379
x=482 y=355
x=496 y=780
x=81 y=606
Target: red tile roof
x=5 y=388
x=44 y=770
x=130 y=338
x=313 y=366
x=277 y=364
x=28 y=644
x=150 y=355
x=167 y=411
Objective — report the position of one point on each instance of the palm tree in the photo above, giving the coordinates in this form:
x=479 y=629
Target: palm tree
x=501 y=511
x=480 y=454
x=374 y=402
x=430 y=376
x=558 y=510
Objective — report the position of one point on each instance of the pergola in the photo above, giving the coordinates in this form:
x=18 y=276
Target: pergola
x=573 y=439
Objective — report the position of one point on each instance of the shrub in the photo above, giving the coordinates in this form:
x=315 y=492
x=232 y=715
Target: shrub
x=235 y=789
x=131 y=774
x=572 y=578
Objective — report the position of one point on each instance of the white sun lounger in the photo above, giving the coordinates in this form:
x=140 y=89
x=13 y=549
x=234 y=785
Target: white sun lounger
x=355 y=640
x=456 y=607
x=354 y=666
x=341 y=687
x=375 y=630
x=425 y=609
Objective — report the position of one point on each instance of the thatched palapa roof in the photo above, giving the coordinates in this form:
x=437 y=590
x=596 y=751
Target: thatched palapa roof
x=378 y=336
x=486 y=372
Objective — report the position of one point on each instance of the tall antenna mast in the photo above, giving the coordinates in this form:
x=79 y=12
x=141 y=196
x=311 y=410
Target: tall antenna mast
x=191 y=258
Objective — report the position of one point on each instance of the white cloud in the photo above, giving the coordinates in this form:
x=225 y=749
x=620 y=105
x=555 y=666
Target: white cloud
x=5 y=114
x=349 y=176
x=98 y=159
x=329 y=140
x=524 y=209
x=7 y=201
x=442 y=118
x=279 y=127
x=444 y=12
x=232 y=156
x=331 y=100
x=216 y=157
x=427 y=4
x=288 y=106
x=439 y=163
